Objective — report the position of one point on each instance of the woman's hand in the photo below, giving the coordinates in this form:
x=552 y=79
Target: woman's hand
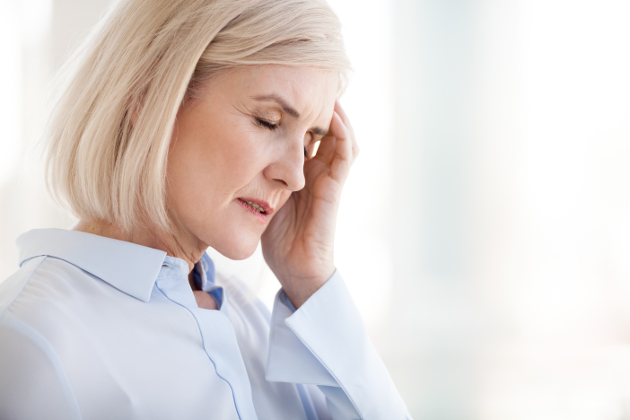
x=298 y=243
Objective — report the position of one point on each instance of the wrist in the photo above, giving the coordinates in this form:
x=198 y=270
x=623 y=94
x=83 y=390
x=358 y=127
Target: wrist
x=300 y=288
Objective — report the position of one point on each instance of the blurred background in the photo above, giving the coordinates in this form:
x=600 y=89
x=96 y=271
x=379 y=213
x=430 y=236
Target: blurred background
x=485 y=229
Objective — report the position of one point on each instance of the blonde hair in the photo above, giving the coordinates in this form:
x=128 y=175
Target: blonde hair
x=113 y=117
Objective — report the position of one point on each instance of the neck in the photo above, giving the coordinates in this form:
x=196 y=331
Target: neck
x=177 y=244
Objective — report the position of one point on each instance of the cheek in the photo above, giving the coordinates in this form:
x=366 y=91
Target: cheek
x=237 y=159
x=184 y=186
x=187 y=167
x=207 y=169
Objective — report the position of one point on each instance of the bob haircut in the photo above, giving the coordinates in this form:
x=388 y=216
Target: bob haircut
x=118 y=95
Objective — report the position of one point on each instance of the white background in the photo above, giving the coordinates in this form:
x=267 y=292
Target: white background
x=485 y=229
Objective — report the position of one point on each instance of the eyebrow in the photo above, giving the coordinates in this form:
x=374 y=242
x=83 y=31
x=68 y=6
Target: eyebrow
x=289 y=110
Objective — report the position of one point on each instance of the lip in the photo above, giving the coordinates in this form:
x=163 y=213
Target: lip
x=265 y=206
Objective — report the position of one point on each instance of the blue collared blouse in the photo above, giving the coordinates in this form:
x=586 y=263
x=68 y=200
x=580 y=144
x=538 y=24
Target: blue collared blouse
x=96 y=328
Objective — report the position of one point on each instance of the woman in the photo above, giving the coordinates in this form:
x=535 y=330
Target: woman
x=183 y=125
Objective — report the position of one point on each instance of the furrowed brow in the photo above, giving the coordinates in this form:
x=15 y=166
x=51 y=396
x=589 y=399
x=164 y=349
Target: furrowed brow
x=280 y=101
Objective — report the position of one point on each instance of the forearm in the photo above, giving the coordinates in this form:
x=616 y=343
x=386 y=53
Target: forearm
x=325 y=343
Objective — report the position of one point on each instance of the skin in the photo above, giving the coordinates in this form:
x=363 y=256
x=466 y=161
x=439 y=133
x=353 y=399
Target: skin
x=240 y=137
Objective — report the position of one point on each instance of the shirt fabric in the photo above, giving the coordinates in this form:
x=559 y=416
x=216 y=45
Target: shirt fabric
x=96 y=328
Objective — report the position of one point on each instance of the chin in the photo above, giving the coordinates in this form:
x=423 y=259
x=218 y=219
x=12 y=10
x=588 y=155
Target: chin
x=238 y=250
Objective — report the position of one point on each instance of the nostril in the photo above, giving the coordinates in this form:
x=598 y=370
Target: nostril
x=282 y=181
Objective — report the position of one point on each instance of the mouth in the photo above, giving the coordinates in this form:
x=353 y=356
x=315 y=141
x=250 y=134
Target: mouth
x=258 y=208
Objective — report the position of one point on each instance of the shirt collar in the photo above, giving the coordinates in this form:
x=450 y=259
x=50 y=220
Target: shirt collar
x=129 y=267
x=207 y=273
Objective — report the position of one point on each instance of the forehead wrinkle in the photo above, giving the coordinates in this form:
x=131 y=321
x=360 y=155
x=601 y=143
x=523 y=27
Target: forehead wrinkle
x=280 y=101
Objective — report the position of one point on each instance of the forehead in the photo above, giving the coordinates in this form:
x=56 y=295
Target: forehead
x=310 y=91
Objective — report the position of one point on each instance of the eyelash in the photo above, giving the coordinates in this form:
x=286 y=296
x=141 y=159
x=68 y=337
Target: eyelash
x=266 y=124
x=273 y=127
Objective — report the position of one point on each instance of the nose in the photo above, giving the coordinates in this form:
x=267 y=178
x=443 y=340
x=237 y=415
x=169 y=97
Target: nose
x=288 y=167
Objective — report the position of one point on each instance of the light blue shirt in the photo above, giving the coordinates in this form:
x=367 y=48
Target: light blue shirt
x=95 y=328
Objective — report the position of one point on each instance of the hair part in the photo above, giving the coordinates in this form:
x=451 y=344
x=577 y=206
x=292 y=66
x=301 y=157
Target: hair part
x=118 y=95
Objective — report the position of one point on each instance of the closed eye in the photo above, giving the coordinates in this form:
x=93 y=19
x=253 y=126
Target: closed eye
x=266 y=124
x=272 y=127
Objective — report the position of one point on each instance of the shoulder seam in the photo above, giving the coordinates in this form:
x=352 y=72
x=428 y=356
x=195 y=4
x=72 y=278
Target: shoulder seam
x=43 y=258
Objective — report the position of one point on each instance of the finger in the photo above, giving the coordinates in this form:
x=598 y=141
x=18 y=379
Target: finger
x=344 y=118
x=346 y=121
x=343 y=157
x=326 y=150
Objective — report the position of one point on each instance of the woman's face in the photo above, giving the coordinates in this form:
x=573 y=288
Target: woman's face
x=238 y=148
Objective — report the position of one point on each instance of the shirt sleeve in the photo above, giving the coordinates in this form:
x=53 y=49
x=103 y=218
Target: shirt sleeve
x=32 y=383
x=325 y=343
